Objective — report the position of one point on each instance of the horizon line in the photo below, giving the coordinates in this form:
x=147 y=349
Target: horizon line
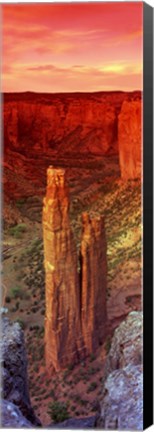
x=72 y=92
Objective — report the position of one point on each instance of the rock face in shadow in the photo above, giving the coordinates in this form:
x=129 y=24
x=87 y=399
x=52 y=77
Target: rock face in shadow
x=122 y=393
x=104 y=123
x=65 y=123
x=93 y=280
x=63 y=342
x=14 y=370
x=129 y=139
x=69 y=124
x=75 y=303
x=12 y=417
x=76 y=423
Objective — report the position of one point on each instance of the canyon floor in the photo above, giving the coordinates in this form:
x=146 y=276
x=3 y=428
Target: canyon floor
x=95 y=186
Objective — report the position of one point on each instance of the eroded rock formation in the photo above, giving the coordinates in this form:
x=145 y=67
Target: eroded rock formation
x=63 y=341
x=129 y=139
x=75 y=304
x=93 y=280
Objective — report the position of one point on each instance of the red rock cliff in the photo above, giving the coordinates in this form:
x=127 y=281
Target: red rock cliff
x=63 y=342
x=94 y=281
x=74 y=124
x=129 y=139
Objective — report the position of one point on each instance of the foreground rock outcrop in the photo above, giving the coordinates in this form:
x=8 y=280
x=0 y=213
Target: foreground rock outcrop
x=76 y=423
x=76 y=316
x=12 y=417
x=122 y=406
x=93 y=280
x=63 y=341
x=122 y=393
x=129 y=139
x=14 y=370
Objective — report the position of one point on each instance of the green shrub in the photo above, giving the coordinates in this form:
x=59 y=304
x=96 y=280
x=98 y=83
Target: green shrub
x=73 y=408
x=15 y=291
x=8 y=299
x=83 y=402
x=108 y=344
x=92 y=357
x=92 y=370
x=21 y=323
x=92 y=387
x=70 y=367
x=20 y=202
x=58 y=411
x=18 y=230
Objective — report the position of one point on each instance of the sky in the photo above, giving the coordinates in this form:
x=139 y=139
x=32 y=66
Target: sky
x=72 y=47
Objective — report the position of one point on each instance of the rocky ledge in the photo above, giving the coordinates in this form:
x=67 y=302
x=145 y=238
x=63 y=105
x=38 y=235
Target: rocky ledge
x=14 y=374
x=122 y=395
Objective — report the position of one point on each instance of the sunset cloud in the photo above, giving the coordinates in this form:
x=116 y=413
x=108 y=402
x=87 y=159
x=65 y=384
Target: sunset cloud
x=72 y=47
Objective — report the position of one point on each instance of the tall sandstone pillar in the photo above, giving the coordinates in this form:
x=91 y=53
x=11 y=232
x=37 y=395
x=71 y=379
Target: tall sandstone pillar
x=94 y=281
x=129 y=139
x=63 y=341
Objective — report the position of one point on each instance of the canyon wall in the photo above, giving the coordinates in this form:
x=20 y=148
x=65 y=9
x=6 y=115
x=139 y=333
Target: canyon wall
x=76 y=316
x=73 y=126
x=66 y=123
x=129 y=139
x=76 y=124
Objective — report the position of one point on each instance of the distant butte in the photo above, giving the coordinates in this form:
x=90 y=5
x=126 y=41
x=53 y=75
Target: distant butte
x=129 y=139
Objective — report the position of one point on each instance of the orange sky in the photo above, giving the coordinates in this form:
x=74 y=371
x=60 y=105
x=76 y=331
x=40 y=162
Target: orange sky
x=72 y=47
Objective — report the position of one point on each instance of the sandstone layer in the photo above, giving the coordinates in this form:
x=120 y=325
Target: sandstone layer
x=93 y=280
x=63 y=342
x=129 y=139
x=75 y=302
x=64 y=123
